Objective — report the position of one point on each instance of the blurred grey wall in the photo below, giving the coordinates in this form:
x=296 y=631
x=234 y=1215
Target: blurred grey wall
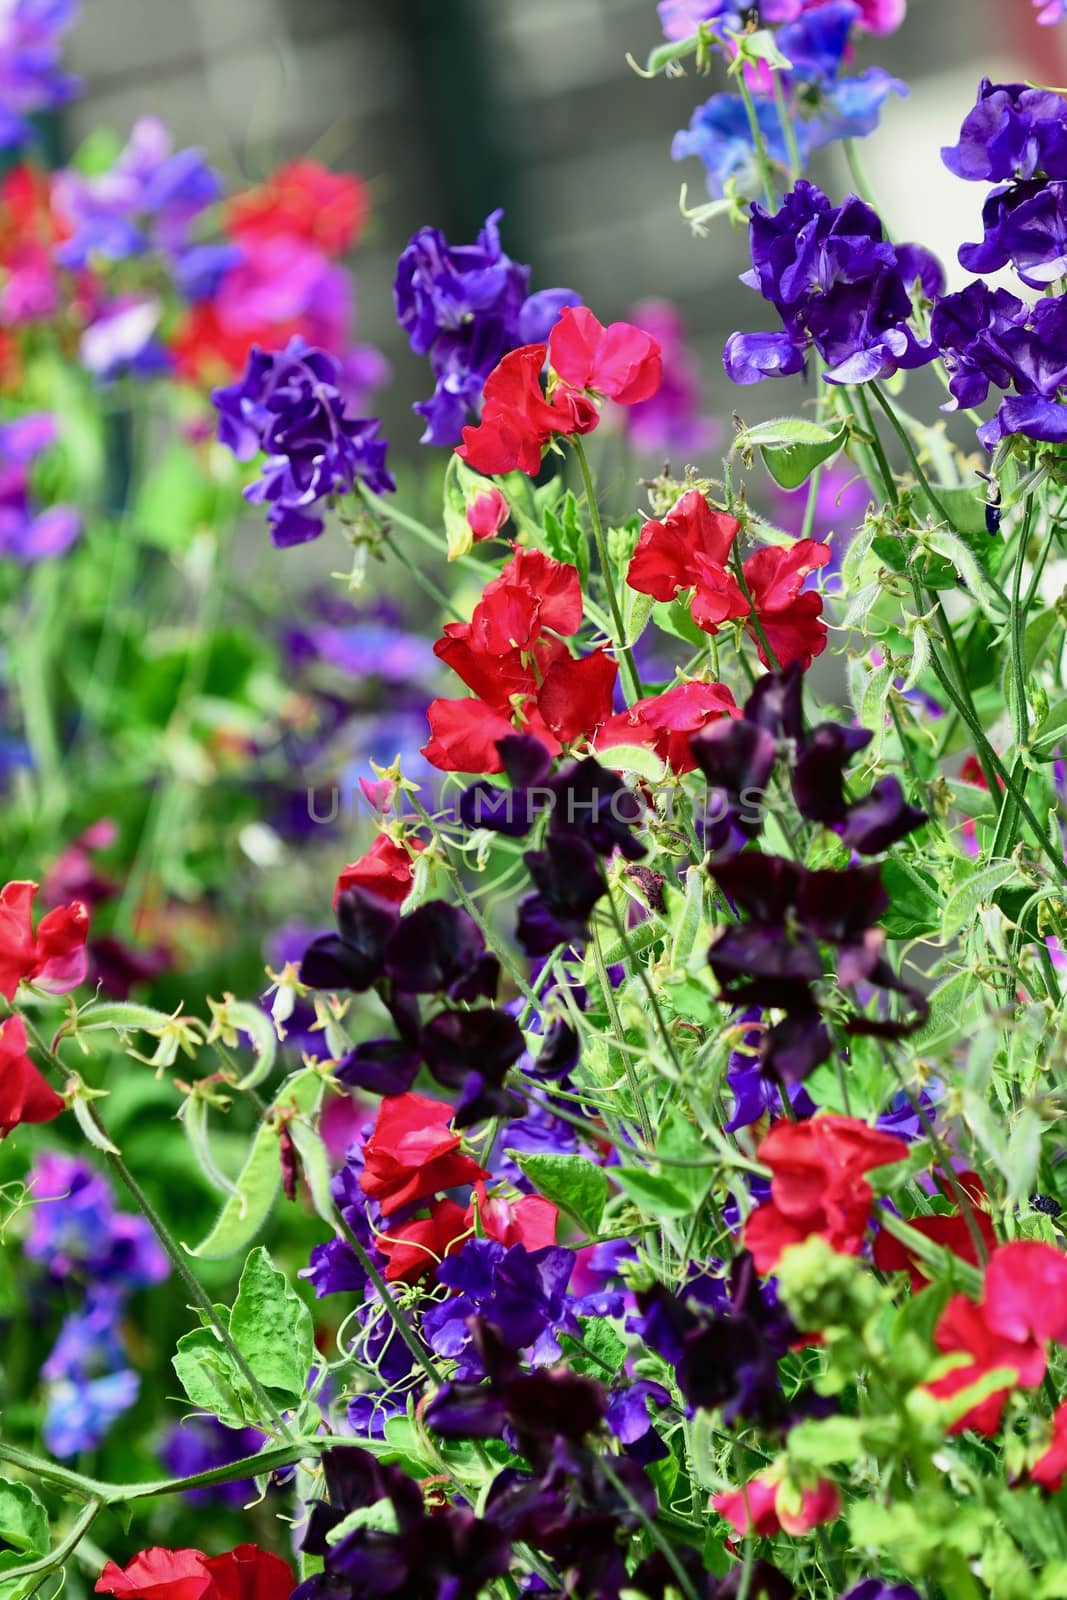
x=451 y=107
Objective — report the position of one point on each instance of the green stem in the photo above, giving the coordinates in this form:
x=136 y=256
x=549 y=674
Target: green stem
x=624 y=652
x=620 y=1034
x=122 y=1493
x=171 y=1248
x=759 y=148
x=56 y=1557
x=1020 y=716
x=396 y=1315
x=909 y=450
x=796 y=161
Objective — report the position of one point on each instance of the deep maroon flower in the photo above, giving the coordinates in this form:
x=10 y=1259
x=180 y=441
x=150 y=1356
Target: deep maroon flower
x=435 y=950
x=353 y=957
x=568 y=883
x=289 y=405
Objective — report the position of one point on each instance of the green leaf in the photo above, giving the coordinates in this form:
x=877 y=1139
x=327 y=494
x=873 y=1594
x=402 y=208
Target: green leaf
x=971 y=571
x=211 y=1381
x=381 y=1517
x=574 y=1183
x=1050 y=736
x=978 y=890
x=633 y=758
x=792 y=447
x=656 y=1194
x=948 y=1008
x=821 y=1442
x=272 y=1328
x=23 y=1519
x=914 y=903
x=966 y=507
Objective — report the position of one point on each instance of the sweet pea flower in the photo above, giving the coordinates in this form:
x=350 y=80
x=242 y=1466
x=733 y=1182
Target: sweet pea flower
x=767 y=1505
x=158 y=1574
x=52 y=957
x=31 y=73
x=24 y=1094
x=387 y=869
x=818 y=1185
x=413 y=1153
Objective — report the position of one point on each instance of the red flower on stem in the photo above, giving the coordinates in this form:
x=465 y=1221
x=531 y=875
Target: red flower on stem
x=766 y=1506
x=54 y=957
x=667 y=722
x=818 y=1185
x=413 y=1153
x=326 y=209
x=386 y=869
x=952 y=1232
x=621 y=363
x=1023 y=1306
x=690 y=549
x=24 y=1094
x=512 y=655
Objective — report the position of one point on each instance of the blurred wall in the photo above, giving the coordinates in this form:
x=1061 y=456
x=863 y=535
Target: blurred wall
x=451 y=107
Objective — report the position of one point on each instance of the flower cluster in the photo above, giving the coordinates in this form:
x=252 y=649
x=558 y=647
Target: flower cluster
x=839 y=287
x=466 y=307
x=32 y=78
x=290 y=407
x=79 y=1238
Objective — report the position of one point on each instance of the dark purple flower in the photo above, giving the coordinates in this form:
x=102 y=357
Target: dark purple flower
x=31 y=73
x=289 y=405
x=353 y=957
x=466 y=306
x=874 y=824
x=819 y=774
x=568 y=882
x=436 y=949
x=443 y=1555
x=989 y=338
x=838 y=284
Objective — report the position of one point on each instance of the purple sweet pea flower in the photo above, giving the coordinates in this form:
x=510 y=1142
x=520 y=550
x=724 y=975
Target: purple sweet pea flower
x=673 y=419
x=1013 y=131
x=31 y=75
x=838 y=285
x=466 y=306
x=88 y=1382
x=122 y=339
x=1052 y=11
x=719 y=133
x=988 y=338
x=199 y=1443
x=28 y=535
x=149 y=199
x=78 y=1233
x=289 y=405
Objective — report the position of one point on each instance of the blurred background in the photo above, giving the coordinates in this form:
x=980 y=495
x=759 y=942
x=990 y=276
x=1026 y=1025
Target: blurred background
x=450 y=108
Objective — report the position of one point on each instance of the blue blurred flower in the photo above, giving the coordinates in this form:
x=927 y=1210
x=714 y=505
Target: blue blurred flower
x=88 y=1382
x=199 y=1443
x=31 y=75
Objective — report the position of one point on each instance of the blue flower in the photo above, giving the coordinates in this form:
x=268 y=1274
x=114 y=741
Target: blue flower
x=466 y=306
x=88 y=1382
x=31 y=75
x=289 y=405
x=720 y=135
x=199 y=1443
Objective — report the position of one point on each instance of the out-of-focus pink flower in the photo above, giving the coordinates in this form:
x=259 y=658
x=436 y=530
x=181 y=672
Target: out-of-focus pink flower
x=672 y=419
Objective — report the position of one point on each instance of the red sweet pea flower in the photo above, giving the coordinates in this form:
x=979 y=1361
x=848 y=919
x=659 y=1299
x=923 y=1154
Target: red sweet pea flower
x=964 y=1330
x=530 y=1220
x=1050 y=1468
x=327 y=209
x=791 y=620
x=818 y=1185
x=622 y=362
x=517 y=420
x=512 y=656
x=24 y=1094
x=413 y=1152
x=666 y=722
x=951 y=1232
x=54 y=958
x=1025 y=1291
x=387 y=869
x=245 y=1573
x=690 y=549
x=765 y=1506
x=663 y=562
x=1023 y=1306
x=412 y=1249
